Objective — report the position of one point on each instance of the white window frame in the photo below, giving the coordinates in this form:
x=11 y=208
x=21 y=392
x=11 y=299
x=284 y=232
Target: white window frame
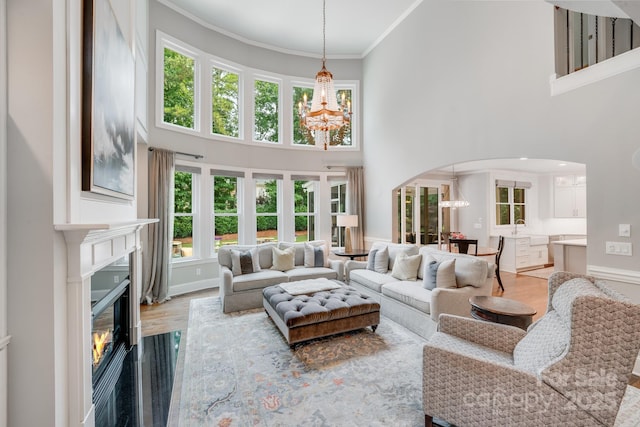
x=309 y=214
x=239 y=214
x=268 y=79
x=213 y=63
x=173 y=44
x=279 y=203
x=195 y=217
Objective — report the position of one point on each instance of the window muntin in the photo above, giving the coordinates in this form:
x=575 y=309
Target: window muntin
x=225 y=102
x=510 y=205
x=267 y=208
x=304 y=204
x=179 y=89
x=338 y=207
x=183 y=216
x=266 y=111
x=226 y=212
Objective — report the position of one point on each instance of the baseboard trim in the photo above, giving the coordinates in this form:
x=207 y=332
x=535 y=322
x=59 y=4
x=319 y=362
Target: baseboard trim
x=185 y=288
x=614 y=274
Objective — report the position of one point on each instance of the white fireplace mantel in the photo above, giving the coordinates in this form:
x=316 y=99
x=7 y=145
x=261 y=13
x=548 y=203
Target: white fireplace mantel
x=91 y=247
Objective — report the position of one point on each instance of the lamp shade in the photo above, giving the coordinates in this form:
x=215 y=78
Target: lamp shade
x=347 y=221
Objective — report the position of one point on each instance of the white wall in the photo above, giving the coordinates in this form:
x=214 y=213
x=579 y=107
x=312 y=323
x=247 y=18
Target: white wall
x=43 y=189
x=475 y=83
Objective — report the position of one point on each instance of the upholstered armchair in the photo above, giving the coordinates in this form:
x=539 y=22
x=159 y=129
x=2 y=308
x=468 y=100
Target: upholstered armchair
x=570 y=368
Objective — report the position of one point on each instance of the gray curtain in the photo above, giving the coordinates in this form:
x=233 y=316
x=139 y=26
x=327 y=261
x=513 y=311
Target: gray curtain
x=355 y=203
x=158 y=249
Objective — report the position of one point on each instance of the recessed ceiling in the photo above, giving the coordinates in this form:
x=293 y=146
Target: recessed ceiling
x=538 y=166
x=353 y=27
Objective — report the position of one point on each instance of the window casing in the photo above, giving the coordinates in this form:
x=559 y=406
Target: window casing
x=338 y=207
x=304 y=208
x=179 y=88
x=511 y=202
x=227 y=208
x=266 y=113
x=185 y=213
x=226 y=84
x=268 y=207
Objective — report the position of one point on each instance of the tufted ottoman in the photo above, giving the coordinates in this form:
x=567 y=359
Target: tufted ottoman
x=304 y=317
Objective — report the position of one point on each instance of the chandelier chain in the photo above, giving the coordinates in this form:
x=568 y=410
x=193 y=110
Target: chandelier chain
x=324 y=31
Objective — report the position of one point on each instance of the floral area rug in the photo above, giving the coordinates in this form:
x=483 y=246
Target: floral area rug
x=240 y=371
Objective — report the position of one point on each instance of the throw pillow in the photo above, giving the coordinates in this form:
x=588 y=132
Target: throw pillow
x=406 y=266
x=283 y=259
x=314 y=256
x=440 y=274
x=378 y=260
x=244 y=261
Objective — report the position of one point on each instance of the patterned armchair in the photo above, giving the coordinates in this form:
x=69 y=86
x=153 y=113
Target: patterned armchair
x=570 y=368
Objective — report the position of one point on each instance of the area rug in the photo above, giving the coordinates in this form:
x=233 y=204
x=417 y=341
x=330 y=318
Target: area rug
x=541 y=273
x=239 y=371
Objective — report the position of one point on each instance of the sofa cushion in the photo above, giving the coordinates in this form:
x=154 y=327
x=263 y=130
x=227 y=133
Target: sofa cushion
x=440 y=274
x=410 y=293
x=259 y=280
x=470 y=270
x=406 y=267
x=546 y=341
x=283 y=259
x=244 y=261
x=394 y=249
x=299 y=250
x=370 y=279
x=314 y=255
x=264 y=254
x=300 y=272
x=378 y=260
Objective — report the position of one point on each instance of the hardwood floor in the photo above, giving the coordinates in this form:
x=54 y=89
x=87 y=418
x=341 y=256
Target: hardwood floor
x=173 y=315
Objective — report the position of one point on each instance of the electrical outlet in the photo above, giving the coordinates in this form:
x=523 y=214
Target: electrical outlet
x=619 y=248
x=116 y=279
x=198 y=271
x=624 y=230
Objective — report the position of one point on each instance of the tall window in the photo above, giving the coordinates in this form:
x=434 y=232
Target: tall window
x=179 y=89
x=338 y=206
x=185 y=179
x=225 y=94
x=511 y=206
x=304 y=194
x=266 y=100
x=226 y=211
x=267 y=207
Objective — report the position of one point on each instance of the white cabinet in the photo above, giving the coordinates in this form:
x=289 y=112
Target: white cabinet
x=519 y=254
x=570 y=196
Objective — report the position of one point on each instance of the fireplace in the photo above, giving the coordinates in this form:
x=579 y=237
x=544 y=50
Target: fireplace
x=110 y=325
x=95 y=249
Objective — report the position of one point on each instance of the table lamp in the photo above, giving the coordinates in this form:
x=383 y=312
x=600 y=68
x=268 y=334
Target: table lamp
x=347 y=221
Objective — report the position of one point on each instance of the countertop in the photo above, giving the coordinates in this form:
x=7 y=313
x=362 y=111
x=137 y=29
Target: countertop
x=573 y=242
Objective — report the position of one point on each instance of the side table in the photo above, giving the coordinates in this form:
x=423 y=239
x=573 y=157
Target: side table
x=502 y=310
x=354 y=253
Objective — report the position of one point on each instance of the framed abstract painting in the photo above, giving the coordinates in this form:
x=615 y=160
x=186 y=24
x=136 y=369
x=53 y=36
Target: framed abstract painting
x=108 y=104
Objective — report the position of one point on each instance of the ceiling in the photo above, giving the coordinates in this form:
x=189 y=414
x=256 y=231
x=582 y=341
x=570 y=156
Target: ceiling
x=353 y=27
x=538 y=166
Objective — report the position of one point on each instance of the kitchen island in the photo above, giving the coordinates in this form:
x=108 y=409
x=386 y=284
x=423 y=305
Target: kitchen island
x=570 y=255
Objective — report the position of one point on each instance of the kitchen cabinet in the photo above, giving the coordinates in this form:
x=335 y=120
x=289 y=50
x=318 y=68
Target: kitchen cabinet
x=570 y=196
x=523 y=252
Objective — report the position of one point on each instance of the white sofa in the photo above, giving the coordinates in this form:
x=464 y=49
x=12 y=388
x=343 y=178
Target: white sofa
x=244 y=291
x=408 y=302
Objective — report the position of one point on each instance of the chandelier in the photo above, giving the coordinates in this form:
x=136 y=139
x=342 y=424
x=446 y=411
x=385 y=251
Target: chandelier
x=460 y=202
x=324 y=114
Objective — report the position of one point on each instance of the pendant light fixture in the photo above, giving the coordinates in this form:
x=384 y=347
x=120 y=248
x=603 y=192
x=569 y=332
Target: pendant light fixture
x=324 y=114
x=460 y=201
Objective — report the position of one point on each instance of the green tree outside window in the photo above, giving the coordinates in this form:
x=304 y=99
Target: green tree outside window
x=179 y=89
x=266 y=96
x=225 y=91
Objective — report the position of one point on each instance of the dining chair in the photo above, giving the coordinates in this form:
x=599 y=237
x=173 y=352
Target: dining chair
x=498 y=255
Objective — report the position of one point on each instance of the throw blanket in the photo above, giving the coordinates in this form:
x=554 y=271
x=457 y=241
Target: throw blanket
x=309 y=286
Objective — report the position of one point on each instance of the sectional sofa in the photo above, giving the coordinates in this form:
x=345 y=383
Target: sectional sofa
x=408 y=300
x=246 y=270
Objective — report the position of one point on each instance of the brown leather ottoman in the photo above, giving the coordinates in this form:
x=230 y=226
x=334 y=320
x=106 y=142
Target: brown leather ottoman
x=304 y=317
